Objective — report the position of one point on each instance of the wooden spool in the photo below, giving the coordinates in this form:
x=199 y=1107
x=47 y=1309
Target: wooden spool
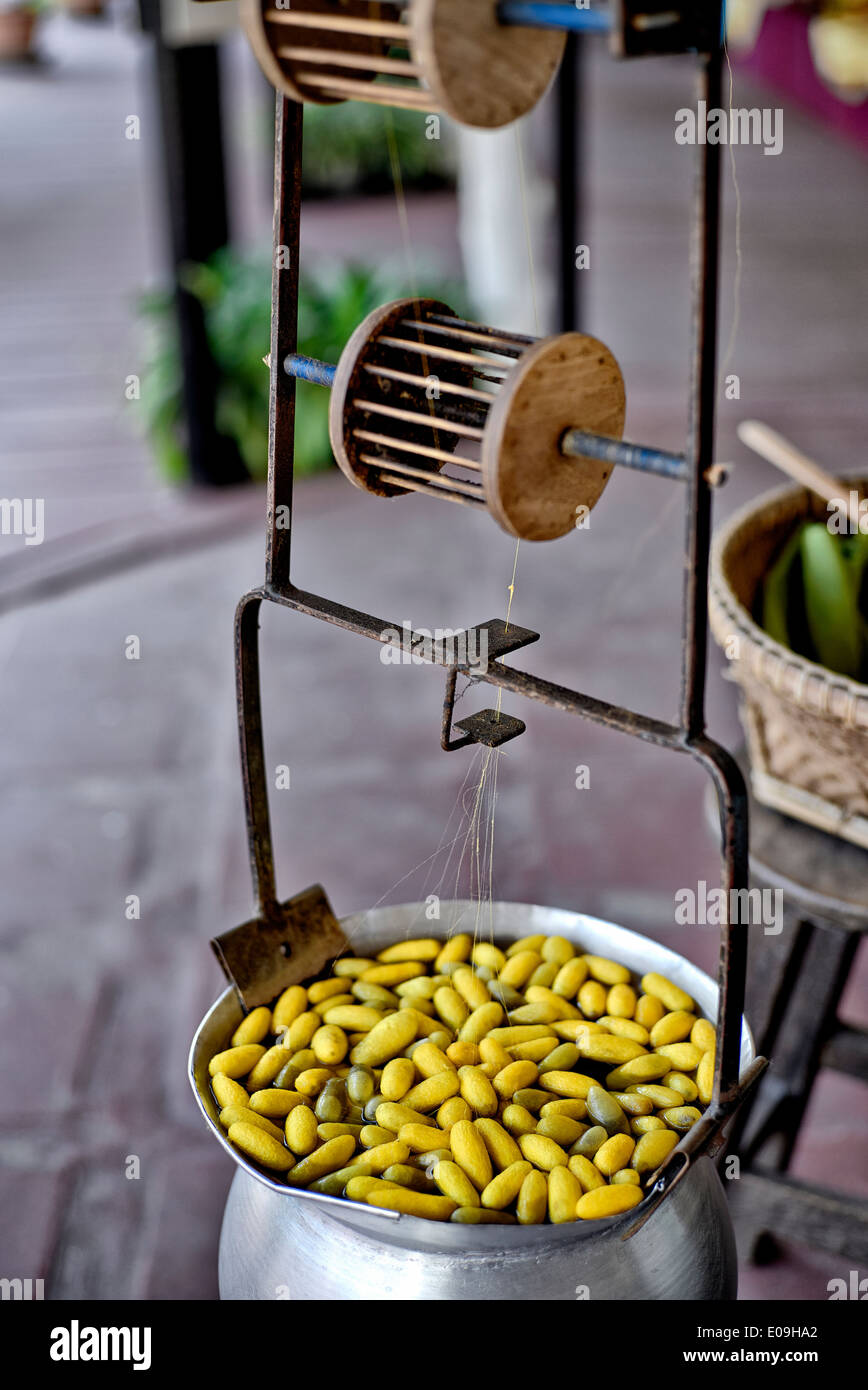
x=425 y=401
x=428 y=55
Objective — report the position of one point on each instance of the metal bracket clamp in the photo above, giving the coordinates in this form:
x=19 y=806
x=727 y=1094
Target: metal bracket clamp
x=489 y=727
x=649 y=28
x=262 y=956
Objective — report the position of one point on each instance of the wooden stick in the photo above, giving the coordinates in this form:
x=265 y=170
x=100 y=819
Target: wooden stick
x=415 y=417
x=387 y=94
x=372 y=62
x=450 y=387
x=772 y=446
x=340 y=24
x=442 y=455
x=440 y=486
x=510 y=347
x=483 y=329
x=447 y=354
x=438 y=480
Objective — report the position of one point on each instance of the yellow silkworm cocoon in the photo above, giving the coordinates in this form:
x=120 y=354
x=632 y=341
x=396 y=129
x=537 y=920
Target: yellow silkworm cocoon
x=605 y=1047
x=301 y=1127
x=253 y=1028
x=236 y=1061
x=621 y=1001
x=504 y=1188
x=608 y=972
x=484 y=1017
x=242 y=1114
x=275 y=1102
x=410 y=1203
x=450 y=1006
x=469 y=1152
x=290 y=1006
x=607 y=1201
x=614 y=1154
x=519 y=968
x=649 y=1010
x=672 y=1028
x=322 y=989
x=266 y=1069
x=705 y=1076
x=302 y=1029
x=431 y=1093
x=563 y=1196
x=477 y=1090
x=228 y=1092
x=583 y=1169
x=457 y=948
x=390 y=975
x=429 y=1060
x=668 y=993
x=641 y=1069
x=532 y=1199
x=454 y=1183
x=453 y=1110
x=421 y=1138
x=570 y=978
x=423 y=948
x=571 y=1084
x=330 y=1045
x=261 y=1147
x=652 y=1149
x=592 y=999
x=501 y=1146
x=514 y=1076
x=472 y=990
x=541 y=1152
x=387 y=1038
x=558 y=949
x=398 y=1076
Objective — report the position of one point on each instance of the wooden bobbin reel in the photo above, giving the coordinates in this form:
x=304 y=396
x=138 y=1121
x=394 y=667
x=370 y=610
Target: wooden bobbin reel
x=415 y=383
x=428 y=55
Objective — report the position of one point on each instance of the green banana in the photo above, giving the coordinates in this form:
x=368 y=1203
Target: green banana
x=776 y=591
x=830 y=601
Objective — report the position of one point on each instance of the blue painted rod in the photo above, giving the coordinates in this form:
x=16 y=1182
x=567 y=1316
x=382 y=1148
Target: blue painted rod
x=581 y=444
x=575 y=443
x=537 y=14
x=309 y=369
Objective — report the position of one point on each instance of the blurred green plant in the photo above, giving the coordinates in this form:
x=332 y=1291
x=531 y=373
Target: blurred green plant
x=346 y=149
x=234 y=290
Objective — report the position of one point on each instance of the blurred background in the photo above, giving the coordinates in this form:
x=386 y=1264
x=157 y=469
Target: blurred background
x=136 y=226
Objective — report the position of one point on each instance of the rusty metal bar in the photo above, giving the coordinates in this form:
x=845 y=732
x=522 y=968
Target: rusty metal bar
x=284 y=336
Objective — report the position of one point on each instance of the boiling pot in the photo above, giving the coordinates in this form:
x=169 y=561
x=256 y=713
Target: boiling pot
x=282 y=1243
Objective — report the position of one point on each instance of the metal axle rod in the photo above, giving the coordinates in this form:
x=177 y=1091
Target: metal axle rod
x=575 y=443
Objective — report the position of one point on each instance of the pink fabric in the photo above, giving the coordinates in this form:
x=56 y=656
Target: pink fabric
x=782 y=58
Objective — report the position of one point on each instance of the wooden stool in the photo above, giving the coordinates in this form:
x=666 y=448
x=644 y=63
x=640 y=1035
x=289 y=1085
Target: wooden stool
x=795 y=982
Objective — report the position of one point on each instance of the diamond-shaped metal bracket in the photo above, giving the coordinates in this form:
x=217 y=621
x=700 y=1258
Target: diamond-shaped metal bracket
x=491 y=640
x=648 y=28
x=491 y=728
x=293 y=942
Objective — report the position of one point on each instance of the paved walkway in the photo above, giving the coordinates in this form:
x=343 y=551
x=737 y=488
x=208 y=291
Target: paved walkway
x=121 y=777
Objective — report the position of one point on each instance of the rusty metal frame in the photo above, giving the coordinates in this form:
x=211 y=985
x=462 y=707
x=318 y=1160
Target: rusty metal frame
x=687 y=736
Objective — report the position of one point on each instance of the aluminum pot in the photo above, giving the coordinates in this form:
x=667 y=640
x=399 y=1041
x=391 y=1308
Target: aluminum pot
x=277 y=1243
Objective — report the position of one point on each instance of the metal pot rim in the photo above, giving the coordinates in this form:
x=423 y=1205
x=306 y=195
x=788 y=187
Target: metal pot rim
x=506 y=921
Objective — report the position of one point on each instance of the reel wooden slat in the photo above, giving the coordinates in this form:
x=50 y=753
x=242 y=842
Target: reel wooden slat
x=452 y=56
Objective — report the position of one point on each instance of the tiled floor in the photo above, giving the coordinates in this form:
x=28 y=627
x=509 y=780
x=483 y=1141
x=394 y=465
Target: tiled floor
x=121 y=777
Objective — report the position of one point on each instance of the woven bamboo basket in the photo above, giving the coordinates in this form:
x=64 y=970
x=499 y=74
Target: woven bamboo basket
x=806 y=727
